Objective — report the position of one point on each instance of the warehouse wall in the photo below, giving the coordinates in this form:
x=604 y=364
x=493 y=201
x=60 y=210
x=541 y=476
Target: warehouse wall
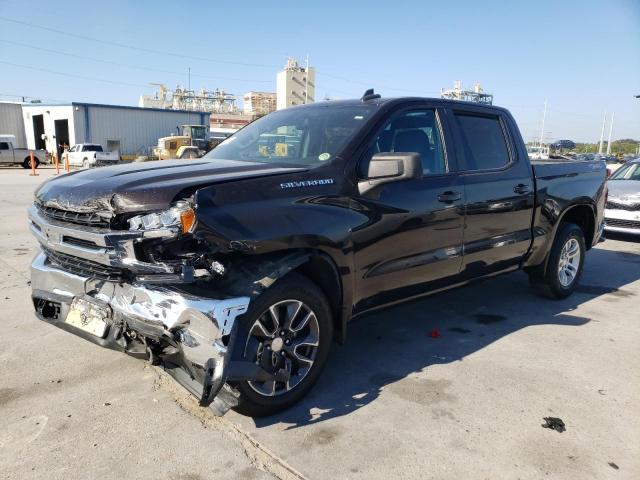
x=136 y=130
x=12 y=123
x=50 y=113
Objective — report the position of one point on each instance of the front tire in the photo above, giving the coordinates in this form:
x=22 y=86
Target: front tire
x=565 y=263
x=290 y=330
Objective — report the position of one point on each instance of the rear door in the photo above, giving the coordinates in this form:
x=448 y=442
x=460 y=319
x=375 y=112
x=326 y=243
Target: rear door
x=499 y=191
x=413 y=242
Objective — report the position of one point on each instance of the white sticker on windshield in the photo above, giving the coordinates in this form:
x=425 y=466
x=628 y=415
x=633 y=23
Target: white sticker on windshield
x=324 y=157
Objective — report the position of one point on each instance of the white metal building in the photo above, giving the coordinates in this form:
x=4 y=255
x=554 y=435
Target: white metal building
x=131 y=130
x=295 y=85
x=11 y=122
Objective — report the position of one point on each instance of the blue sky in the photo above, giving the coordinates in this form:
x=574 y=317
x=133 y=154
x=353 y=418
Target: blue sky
x=583 y=57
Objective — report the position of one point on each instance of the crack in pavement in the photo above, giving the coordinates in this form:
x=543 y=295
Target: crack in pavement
x=259 y=455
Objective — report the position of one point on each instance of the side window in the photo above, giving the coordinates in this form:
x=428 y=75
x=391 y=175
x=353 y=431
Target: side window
x=414 y=131
x=483 y=145
x=4 y=146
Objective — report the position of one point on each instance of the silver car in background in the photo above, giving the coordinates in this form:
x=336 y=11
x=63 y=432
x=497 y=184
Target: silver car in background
x=622 y=211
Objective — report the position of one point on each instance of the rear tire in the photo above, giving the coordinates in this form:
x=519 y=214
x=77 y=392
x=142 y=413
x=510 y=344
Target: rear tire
x=260 y=399
x=564 y=265
x=26 y=164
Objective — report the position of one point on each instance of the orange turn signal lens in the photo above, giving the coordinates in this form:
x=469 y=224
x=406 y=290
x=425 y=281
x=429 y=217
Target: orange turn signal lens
x=187 y=220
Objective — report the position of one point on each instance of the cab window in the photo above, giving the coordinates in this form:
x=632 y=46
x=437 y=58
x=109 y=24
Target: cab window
x=415 y=131
x=483 y=143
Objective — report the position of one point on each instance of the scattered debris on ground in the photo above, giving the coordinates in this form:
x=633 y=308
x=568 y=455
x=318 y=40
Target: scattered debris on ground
x=614 y=466
x=554 y=423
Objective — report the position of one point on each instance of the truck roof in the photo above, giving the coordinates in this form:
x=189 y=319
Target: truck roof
x=393 y=101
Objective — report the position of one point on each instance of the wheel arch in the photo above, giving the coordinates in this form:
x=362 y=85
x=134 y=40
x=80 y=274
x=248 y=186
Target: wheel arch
x=252 y=275
x=321 y=270
x=581 y=214
x=584 y=216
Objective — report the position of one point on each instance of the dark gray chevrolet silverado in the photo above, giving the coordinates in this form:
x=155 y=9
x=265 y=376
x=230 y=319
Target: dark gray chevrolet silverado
x=235 y=272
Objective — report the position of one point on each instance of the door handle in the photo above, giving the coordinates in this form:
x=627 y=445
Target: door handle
x=449 y=196
x=522 y=189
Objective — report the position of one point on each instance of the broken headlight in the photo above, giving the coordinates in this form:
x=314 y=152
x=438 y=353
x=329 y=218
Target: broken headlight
x=180 y=215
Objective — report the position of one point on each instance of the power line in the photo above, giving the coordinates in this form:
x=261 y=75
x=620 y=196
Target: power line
x=192 y=57
x=126 y=65
x=93 y=79
x=132 y=47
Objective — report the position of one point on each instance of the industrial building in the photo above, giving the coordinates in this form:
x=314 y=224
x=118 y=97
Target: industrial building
x=11 y=122
x=295 y=85
x=259 y=103
x=130 y=130
x=459 y=93
x=214 y=101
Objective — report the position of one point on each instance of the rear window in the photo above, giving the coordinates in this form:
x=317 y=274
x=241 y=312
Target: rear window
x=4 y=146
x=483 y=145
x=92 y=148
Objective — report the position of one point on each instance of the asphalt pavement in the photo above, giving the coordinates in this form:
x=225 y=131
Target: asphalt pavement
x=452 y=386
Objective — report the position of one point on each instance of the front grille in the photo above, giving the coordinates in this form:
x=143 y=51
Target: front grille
x=617 y=222
x=88 y=219
x=84 y=268
x=622 y=206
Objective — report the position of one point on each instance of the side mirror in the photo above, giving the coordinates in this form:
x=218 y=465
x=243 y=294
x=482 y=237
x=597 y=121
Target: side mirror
x=386 y=167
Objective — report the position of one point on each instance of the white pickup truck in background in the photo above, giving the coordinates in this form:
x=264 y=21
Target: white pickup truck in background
x=10 y=155
x=91 y=155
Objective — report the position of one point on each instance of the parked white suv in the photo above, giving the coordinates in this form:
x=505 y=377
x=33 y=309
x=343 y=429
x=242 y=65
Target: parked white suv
x=91 y=155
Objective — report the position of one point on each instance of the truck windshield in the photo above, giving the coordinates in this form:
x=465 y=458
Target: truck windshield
x=307 y=136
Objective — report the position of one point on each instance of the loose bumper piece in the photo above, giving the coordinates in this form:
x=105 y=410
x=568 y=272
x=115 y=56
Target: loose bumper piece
x=192 y=336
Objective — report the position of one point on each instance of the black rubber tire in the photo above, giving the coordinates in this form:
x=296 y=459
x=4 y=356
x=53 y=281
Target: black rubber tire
x=26 y=164
x=297 y=287
x=547 y=281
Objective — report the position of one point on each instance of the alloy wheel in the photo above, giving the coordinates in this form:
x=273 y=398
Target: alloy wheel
x=569 y=263
x=284 y=341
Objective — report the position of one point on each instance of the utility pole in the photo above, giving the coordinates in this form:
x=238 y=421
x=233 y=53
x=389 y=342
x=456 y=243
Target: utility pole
x=544 y=116
x=604 y=120
x=610 y=130
x=306 y=82
x=189 y=102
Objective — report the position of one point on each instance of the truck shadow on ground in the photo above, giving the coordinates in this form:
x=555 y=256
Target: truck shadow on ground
x=387 y=346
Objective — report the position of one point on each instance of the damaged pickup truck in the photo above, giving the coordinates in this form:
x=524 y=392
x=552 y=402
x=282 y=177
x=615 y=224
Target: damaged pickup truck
x=237 y=271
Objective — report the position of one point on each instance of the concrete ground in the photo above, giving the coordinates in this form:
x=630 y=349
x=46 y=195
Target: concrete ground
x=392 y=403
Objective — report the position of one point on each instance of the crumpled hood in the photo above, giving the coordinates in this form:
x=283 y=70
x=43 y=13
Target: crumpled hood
x=143 y=186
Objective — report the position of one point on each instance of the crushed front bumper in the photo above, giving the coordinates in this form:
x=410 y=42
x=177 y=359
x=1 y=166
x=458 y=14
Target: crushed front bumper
x=191 y=336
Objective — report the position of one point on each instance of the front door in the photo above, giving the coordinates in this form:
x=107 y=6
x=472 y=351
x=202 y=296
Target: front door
x=6 y=153
x=413 y=242
x=499 y=191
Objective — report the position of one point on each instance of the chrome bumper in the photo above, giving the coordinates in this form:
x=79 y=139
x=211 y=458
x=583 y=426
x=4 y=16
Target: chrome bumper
x=197 y=332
